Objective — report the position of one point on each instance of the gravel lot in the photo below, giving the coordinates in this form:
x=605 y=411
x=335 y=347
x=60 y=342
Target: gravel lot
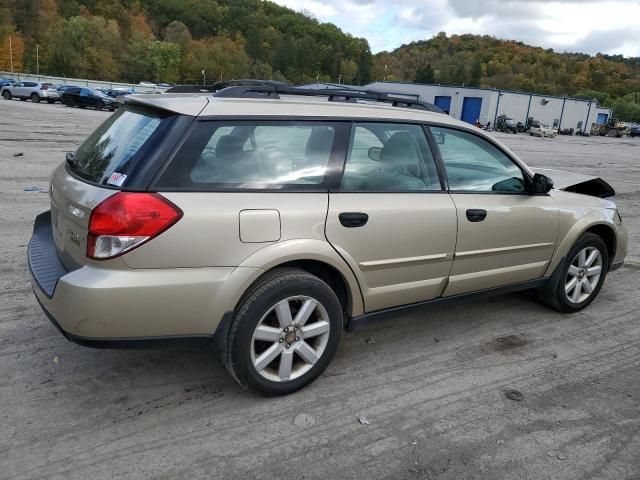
x=431 y=384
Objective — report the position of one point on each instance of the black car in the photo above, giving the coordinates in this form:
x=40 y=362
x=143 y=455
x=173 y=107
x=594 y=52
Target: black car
x=635 y=131
x=87 y=97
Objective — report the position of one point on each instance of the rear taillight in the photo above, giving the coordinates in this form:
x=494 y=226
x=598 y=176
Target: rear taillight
x=44 y=87
x=126 y=220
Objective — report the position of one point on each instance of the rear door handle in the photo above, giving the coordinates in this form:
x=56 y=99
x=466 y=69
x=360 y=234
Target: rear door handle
x=353 y=219
x=476 y=215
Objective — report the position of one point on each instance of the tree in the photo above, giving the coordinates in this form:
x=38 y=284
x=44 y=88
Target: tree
x=425 y=74
x=475 y=74
x=348 y=70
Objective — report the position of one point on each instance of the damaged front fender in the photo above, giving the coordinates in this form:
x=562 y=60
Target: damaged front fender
x=578 y=183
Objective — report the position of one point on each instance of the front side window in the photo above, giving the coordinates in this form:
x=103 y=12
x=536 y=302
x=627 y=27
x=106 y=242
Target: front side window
x=250 y=155
x=389 y=157
x=473 y=164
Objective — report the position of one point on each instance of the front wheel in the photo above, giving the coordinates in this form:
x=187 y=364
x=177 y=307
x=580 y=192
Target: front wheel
x=7 y=95
x=579 y=279
x=284 y=333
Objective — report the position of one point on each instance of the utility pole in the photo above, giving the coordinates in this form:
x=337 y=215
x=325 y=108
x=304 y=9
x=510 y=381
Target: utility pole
x=38 y=60
x=385 y=73
x=203 y=77
x=11 y=54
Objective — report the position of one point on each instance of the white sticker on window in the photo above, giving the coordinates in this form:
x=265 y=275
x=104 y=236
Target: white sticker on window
x=116 y=179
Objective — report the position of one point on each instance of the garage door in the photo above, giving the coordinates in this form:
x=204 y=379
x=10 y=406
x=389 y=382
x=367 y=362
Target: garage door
x=471 y=107
x=444 y=103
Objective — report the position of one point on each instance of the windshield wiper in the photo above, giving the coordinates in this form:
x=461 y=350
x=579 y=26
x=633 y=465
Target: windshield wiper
x=71 y=158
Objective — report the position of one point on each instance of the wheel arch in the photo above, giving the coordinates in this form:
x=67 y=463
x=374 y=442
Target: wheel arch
x=316 y=257
x=601 y=227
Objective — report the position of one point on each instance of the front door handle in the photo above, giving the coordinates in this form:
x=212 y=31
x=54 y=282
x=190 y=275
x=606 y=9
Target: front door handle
x=476 y=215
x=353 y=219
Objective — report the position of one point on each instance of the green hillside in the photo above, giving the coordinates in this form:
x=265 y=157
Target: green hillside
x=174 y=40
x=485 y=61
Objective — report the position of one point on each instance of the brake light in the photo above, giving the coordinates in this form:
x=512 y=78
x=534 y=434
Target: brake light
x=44 y=87
x=126 y=220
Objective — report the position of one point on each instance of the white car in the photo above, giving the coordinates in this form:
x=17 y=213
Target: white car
x=543 y=131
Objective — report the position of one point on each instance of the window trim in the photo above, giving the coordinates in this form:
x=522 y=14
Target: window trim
x=334 y=166
x=528 y=179
x=419 y=125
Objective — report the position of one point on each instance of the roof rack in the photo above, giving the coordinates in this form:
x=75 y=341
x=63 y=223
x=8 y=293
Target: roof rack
x=214 y=87
x=273 y=90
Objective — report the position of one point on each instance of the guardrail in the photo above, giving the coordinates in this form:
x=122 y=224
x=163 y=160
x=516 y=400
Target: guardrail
x=80 y=82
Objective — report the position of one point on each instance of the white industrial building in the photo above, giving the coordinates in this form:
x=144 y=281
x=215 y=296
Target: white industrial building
x=486 y=105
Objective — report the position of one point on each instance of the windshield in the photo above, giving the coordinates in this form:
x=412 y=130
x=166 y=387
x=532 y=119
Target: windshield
x=111 y=152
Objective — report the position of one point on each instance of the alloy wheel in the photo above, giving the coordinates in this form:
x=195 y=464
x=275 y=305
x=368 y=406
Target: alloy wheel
x=290 y=338
x=583 y=275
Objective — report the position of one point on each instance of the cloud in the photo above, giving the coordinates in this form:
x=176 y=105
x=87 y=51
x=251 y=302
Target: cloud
x=589 y=26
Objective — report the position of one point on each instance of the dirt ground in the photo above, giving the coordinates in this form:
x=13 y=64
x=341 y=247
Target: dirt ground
x=431 y=384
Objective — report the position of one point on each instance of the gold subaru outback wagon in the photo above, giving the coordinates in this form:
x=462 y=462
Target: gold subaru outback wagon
x=261 y=221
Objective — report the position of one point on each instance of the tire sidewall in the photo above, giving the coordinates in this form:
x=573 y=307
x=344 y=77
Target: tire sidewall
x=586 y=240
x=250 y=314
x=35 y=98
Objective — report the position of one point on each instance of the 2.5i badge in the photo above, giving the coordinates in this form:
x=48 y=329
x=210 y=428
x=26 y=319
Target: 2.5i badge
x=116 y=179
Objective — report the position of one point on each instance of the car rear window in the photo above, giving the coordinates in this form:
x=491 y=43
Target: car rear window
x=112 y=151
x=253 y=155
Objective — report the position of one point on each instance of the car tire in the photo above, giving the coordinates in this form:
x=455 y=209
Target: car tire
x=35 y=98
x=6 y=95
x=300 y=320
x=580 y=268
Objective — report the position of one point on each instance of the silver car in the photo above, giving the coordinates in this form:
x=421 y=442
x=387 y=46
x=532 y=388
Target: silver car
x=35 y=91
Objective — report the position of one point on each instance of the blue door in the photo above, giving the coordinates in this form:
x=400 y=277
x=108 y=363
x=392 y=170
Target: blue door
x=444 y=103
x=602 y=119
x=471 y=107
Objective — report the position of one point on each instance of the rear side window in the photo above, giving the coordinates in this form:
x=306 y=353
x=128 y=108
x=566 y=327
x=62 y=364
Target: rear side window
x=111 y=152
x=253 y=155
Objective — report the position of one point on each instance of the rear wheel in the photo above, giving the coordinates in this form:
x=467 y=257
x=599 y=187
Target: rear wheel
x=7 y=95
x=577 y=282
x=284 y=333
x=35 y=98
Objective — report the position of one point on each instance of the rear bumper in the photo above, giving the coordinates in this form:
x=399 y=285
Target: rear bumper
x=101 y=306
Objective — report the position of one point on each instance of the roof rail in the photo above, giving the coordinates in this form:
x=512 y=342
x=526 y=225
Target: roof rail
x=214 y=87
x=273 y=90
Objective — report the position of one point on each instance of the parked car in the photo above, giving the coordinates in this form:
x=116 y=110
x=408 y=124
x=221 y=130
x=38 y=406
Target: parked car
x=35 y=91
x=115 y=92
x=634 y=131
x=144 y=83
x=262 y=227
x=4 y=82
x=541 y=130
x=63 y=88
x=165 y=85
x=88 y=97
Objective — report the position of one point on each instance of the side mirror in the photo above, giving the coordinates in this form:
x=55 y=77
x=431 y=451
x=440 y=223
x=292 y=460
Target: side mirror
x=541 y=184
x=375 y=153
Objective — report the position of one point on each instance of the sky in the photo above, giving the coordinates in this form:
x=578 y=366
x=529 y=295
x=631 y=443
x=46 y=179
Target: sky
x=587 y=26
